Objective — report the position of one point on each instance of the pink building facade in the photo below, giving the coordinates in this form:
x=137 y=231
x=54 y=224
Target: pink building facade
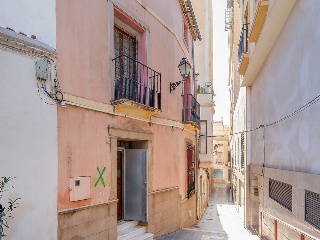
x=126 y=144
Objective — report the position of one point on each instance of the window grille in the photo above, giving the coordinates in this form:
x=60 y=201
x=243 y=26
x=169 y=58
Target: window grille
x=239 y=154
x=124 y=44
x=281 y=193
x=191 y=170
x=242 y=150
x=312 y=206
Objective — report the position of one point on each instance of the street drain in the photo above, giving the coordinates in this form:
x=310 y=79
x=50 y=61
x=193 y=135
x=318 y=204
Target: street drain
x=209 y=218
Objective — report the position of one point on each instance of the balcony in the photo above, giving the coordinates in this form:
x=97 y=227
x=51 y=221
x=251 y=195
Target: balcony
x=137 y=88
x=243 y=53
x=258 y=20
x=191 y=112
x=205 y=88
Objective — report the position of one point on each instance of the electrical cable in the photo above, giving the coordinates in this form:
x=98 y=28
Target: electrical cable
x=305 y=106
x=39 y=90
x=56 y=95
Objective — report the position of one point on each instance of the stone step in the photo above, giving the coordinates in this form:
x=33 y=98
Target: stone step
x=123 y=225
x=131 y=232
x=145 y=236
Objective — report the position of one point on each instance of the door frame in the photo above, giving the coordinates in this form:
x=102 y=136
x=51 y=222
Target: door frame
x=121 y=149
x=130 y=131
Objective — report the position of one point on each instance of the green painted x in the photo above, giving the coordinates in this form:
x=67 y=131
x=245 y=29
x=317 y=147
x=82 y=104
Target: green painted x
x=100 y=177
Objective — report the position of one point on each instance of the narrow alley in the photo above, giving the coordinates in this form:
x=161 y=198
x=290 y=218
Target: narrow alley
x=220 y=221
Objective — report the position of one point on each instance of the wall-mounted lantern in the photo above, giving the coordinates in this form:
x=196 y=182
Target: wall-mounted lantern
x=184 y=68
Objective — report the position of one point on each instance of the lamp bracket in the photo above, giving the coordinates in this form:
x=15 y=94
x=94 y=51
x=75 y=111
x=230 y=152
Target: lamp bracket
x=174 y=85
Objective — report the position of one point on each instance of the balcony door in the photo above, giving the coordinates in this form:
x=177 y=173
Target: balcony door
x=126 y=80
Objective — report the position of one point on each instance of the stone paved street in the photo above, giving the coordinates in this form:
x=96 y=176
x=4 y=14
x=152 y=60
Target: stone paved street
x=221 y=221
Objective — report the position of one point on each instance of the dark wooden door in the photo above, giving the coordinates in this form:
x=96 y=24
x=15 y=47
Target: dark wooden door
x=119 y=184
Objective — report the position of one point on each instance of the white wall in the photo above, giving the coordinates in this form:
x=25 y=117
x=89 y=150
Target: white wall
x=289 y=79
x=239 y=123
x=28 y=146
x=30 y=17
x=206 y=114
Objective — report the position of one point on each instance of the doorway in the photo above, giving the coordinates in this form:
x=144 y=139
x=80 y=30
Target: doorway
x=131 y=181
x=120 y=155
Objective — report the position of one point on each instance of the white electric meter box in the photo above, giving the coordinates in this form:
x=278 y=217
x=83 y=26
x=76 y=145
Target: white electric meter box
x=42 y=69
x=79 y=188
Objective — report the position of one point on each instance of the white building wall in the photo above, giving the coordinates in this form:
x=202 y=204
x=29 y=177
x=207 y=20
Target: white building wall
x=31 y=17
x=28 y=146
x=238 y=125
x=206 y=114
x=28 y=142
x=289 y=79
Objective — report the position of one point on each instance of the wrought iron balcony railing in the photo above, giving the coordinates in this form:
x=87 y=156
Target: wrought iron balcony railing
x=136 y=82
x=191 y=110
x=243 y=42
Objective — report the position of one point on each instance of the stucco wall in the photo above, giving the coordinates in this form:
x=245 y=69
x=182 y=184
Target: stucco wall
x=23 y=16
x=83 y=147
x=288 y=80
x=84 y=52
x=82 y=40
x=28 y=146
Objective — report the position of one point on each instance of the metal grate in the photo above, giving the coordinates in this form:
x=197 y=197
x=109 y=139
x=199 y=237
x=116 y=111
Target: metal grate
x=242 y=150
x=191 y=170
x=243 y=42
x=312 y=208
x=281 y=193
x=191 y=109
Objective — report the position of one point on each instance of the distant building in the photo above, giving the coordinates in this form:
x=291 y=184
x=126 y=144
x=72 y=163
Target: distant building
x=204 y=90
x=221 y=161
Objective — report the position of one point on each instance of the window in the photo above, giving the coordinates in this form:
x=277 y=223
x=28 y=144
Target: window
x=218 y=173
x=281 y=193
x=125 y=48
x=242 y=150
x=312 y=205
x=133 y=79
x=190 y=170
x=239 y=153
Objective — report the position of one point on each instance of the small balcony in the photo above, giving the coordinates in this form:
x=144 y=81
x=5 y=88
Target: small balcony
x=243 y=53
x=191 y=112
x=137 y=88
x=260 y=15
x=205 y=88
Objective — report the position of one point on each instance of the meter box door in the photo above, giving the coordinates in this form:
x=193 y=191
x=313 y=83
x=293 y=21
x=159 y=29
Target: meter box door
x=79 y=188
